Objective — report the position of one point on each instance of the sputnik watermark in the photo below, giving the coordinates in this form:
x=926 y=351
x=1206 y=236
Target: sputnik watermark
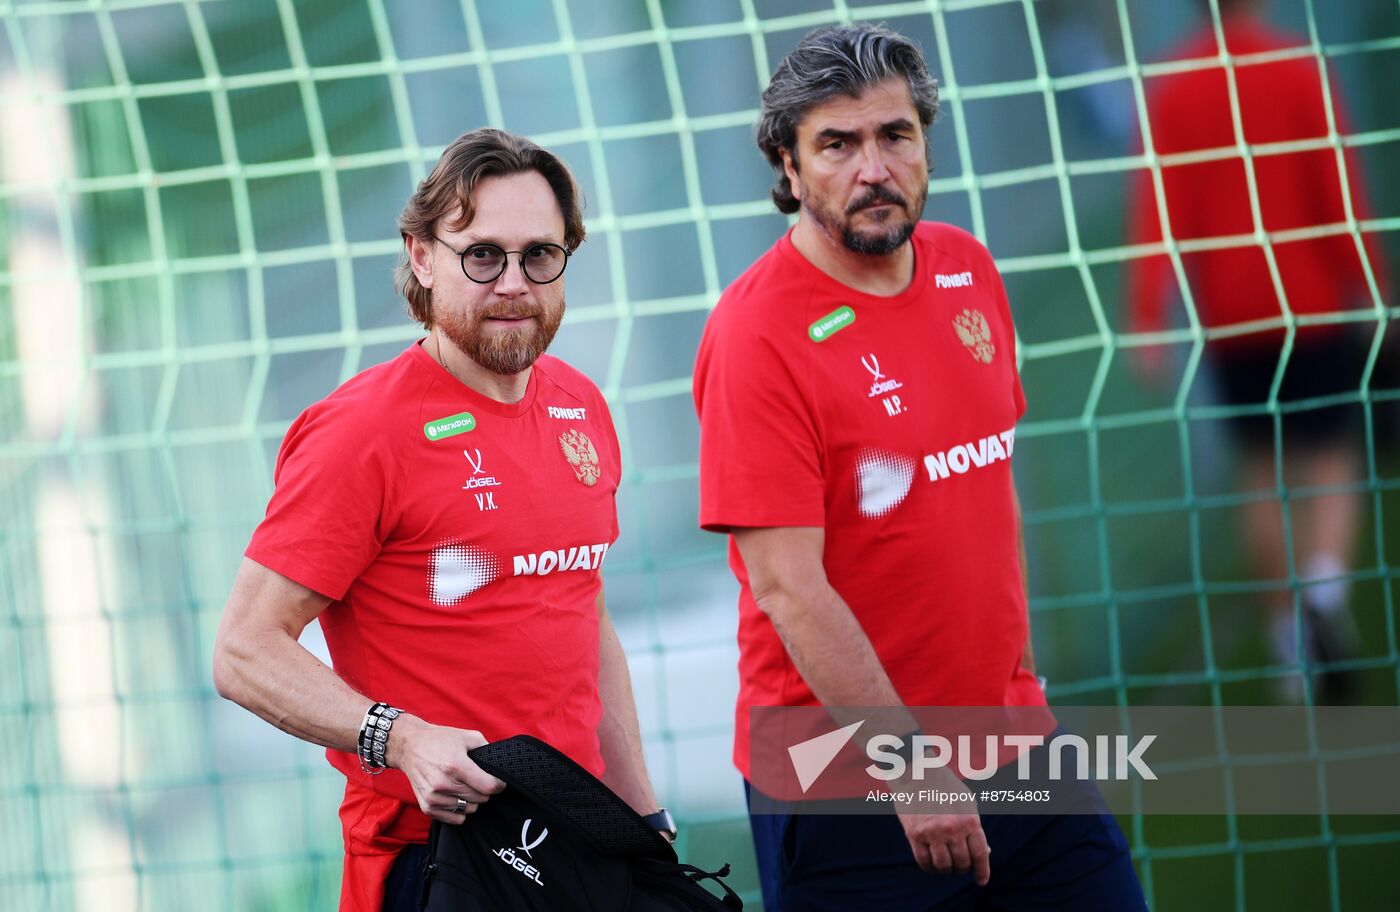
x=1112 y=758
x=1075 y=759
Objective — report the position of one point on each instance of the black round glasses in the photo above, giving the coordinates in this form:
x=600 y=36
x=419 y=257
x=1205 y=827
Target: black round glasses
x=485 y=263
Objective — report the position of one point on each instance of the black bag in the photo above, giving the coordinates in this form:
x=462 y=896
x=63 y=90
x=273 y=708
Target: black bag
x=557 y=840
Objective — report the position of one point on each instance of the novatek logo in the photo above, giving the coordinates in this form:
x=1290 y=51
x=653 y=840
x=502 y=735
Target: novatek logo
x=973 y=454
x=543 y=563
x=834 y=322
x=952 y=280
x=568 y=414
x=518 y=863
x=451 y=426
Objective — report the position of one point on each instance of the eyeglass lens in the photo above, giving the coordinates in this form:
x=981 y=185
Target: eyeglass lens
x=543 y=263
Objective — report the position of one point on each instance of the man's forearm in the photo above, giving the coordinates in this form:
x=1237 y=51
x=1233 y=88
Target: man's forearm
x=273 y=676
x=832 y=652
x=259 y=664
x=619 y=735
x=277 y=679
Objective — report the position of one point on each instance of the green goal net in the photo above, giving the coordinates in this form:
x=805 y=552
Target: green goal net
x=199 y=199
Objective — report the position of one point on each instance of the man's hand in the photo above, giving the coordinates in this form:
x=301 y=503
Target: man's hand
x=951 y=839
x=435 y=760
x=835 y=658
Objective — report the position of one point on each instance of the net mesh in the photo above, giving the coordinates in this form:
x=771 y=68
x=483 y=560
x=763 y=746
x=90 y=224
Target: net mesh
x=198 y=241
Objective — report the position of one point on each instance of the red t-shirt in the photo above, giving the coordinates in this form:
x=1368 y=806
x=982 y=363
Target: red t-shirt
x=1279 y=101
x=460 y=540
x=890 y=422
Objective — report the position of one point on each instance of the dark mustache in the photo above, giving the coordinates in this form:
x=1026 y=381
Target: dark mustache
x=876 y=195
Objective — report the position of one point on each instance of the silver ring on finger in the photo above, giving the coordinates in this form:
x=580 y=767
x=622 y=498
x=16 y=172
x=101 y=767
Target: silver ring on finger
x=461 y=807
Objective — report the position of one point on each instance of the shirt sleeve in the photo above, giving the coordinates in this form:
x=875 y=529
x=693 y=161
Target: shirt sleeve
x=327 y=519
x=761 y=458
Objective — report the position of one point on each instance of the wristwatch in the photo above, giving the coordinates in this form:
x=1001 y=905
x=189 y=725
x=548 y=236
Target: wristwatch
x=663 y=823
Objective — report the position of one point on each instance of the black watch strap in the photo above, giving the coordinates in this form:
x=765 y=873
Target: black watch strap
x=662 y=821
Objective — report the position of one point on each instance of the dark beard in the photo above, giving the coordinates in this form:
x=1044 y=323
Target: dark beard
x=882 y=243
x=508 y=351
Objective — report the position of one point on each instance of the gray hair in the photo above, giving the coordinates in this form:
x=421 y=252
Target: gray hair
x=836 y=59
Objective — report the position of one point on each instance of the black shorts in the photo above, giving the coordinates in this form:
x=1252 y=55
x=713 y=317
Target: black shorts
x=1316 y=368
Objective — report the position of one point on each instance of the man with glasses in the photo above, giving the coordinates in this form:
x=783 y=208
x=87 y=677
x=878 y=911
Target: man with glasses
x=445 y=516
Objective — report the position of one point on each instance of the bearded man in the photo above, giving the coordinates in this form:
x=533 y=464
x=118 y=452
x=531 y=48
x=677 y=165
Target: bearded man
x=445 y=516
x=858 y=398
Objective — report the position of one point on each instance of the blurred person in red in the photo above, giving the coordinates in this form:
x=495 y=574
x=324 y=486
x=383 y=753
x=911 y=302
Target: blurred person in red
x=1279 y=101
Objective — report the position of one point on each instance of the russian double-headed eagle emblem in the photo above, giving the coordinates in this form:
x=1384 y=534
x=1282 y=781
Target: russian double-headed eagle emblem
x=972 y=329
x=579 y=452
